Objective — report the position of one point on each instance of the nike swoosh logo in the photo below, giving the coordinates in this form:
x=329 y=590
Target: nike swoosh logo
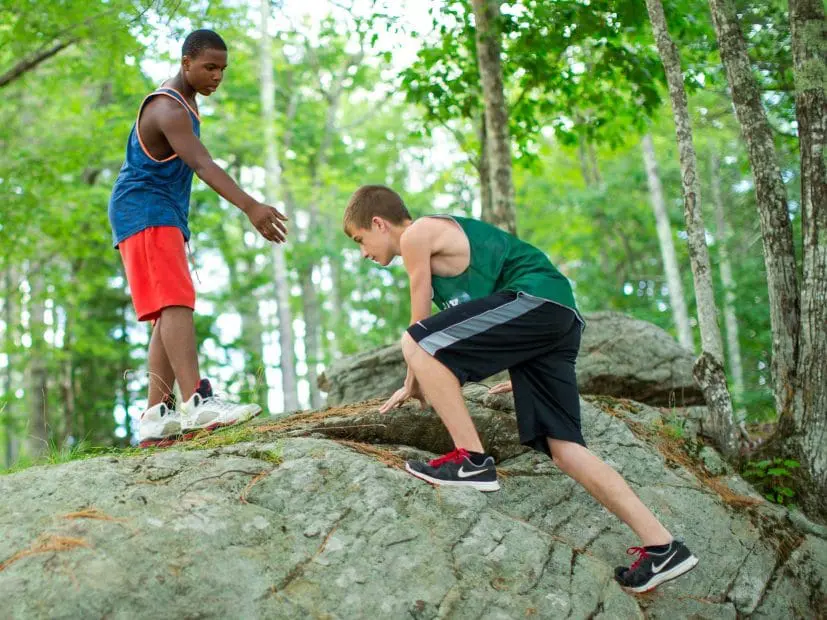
x=657 y=569
x=467 y=474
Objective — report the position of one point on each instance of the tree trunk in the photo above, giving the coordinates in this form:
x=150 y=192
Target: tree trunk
x=709 y=369
x=585 y=169
x=10 y=321
x=67 y=384
x=484 y=170
x=127 y=392
x=736 y=367
x=312 y=310
x=38 y=414
x=602 y=226
x=252 y=333
x=312 y=344
x=809 y=34
x=281 y=274
x=776 y=231
x=487 y=17
x=677 y=300
x=595 y=167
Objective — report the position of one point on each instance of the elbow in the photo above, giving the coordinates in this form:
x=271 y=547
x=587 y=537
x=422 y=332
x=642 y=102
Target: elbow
x=201 y=166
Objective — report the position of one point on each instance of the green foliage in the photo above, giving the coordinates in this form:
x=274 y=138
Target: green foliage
x=583 y=82
x=773 y=477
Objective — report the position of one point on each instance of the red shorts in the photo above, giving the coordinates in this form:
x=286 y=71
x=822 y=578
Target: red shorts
x=157 y=272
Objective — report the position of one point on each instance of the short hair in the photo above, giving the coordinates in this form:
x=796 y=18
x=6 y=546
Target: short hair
x=199 y=40
x=374 y=200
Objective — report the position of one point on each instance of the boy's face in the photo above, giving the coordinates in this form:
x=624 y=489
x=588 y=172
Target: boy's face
x=205 y=71
x=375 y=242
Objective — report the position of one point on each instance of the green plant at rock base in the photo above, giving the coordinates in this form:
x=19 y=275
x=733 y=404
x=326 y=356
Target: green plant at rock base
x=772 y=477
x=674 y=426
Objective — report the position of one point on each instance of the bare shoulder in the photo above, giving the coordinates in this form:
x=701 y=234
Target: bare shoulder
x=417 y=236
x=162 y=109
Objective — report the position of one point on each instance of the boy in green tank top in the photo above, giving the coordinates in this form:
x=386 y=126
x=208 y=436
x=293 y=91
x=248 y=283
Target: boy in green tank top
x=503 y=306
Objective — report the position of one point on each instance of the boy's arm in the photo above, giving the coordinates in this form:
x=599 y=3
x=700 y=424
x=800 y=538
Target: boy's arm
x=176 y=126
x=416 y=247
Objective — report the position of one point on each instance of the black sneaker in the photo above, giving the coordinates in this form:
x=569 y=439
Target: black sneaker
x=652 y=567
x=456 y=469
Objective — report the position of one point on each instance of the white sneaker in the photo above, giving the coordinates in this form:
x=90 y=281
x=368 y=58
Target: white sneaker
x=203 y=411
x=159 y=426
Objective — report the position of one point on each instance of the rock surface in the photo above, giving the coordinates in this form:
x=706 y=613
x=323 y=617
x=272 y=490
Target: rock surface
x=619 y=356
x=310 y=516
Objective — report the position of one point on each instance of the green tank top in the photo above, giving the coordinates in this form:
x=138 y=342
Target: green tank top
x=500 y=262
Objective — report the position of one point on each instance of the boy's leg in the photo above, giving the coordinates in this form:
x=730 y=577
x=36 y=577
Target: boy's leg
x=177 y=333
x=442 y=390
x=470 y=341
x=610 y=489
x=548 y=415
x=548 y=402
x=161 y=375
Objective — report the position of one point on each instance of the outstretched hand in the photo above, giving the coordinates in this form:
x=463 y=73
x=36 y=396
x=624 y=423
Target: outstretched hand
x=269 y=222
x=402 y=395
x=501 y=388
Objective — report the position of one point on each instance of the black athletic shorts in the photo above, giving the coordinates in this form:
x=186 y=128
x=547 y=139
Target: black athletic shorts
x=535 y=339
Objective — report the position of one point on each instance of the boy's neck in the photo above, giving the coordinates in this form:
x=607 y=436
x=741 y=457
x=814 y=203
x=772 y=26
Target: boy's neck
x=398 y=229
x=181 y=85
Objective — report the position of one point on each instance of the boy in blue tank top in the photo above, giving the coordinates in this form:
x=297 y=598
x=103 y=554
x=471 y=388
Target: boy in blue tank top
x=148 y=211
x=503 y=306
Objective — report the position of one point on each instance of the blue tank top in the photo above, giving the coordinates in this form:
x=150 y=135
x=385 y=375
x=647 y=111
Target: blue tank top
x=148 y=191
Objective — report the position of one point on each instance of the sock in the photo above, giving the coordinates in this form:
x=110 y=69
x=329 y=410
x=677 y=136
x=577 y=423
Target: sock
x=658 y=549
x=477 y=458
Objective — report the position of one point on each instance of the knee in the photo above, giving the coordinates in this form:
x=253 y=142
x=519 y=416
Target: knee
x=409 y=347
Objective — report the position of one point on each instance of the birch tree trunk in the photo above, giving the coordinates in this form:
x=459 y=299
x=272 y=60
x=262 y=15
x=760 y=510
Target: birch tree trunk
x=809 y=45
x=709 y=368
x=486 y=16
x=281 y=274
x=310 y=299
x=38 y=434
x=592 y=184
x=10 y=319
x=67 y=383
x=776 y=231
x=736 y=367
x=677 y=300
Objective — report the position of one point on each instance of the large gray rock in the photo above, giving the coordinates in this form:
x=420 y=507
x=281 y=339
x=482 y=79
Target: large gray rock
x=306 y=519
x=629 y=358
x=371 y=374
x=619 y=356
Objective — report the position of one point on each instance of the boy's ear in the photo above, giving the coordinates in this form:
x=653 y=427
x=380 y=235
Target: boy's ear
x=378 y=222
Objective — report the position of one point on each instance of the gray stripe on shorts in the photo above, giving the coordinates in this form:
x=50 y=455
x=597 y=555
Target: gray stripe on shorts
x=477 y=324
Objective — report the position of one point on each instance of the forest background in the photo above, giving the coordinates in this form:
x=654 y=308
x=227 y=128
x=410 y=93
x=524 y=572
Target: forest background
x=553 y=118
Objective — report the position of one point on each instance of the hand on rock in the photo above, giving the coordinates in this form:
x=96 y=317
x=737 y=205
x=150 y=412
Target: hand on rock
x=501 y=388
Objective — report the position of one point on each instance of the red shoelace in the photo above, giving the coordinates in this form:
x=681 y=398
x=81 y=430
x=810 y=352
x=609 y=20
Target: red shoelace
x=641 y=555
x=456 y=456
